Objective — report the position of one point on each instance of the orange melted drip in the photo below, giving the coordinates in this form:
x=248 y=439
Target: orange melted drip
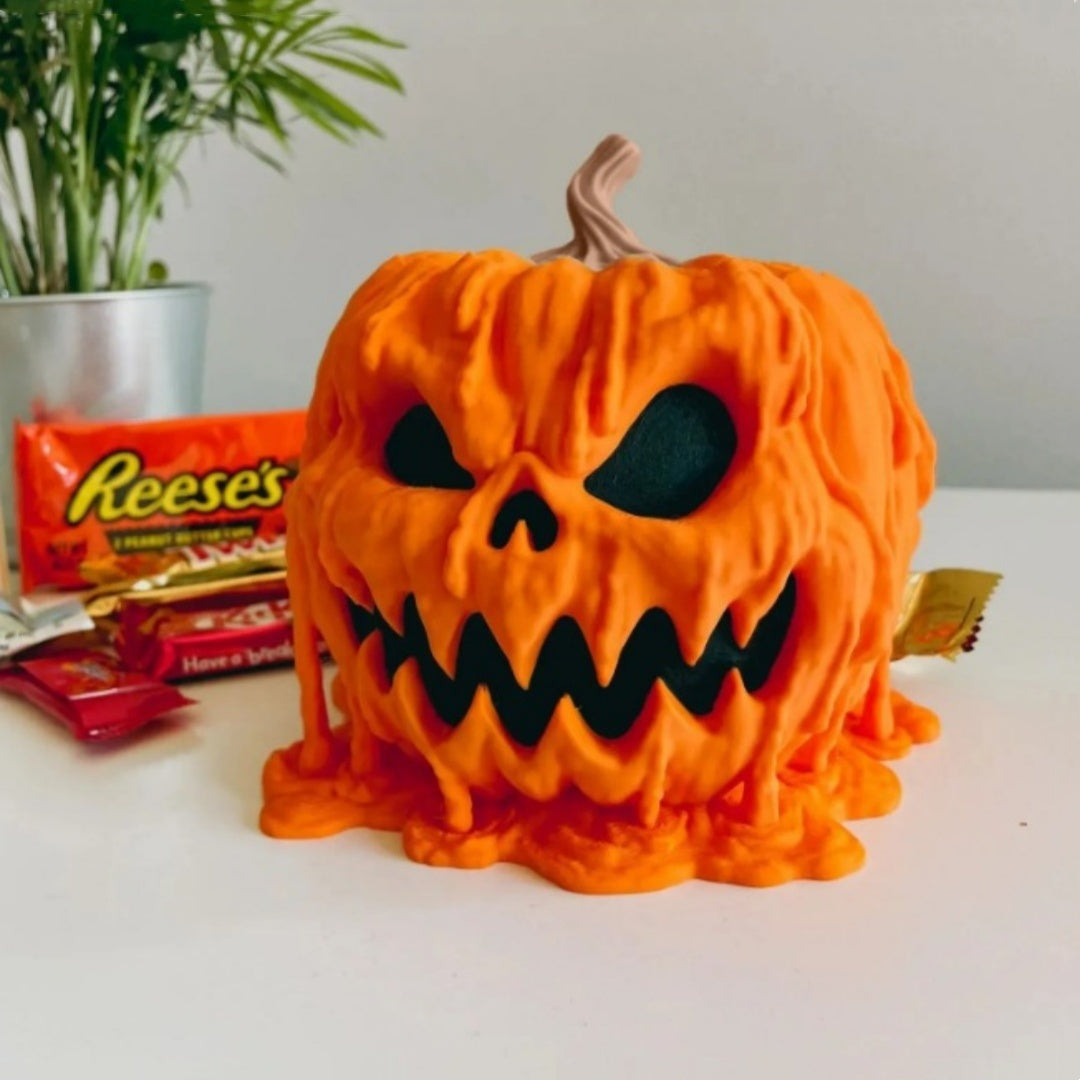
x=600 y=849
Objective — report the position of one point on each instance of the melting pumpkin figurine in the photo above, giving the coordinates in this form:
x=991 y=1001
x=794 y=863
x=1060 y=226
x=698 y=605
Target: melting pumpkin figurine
x=608 y=550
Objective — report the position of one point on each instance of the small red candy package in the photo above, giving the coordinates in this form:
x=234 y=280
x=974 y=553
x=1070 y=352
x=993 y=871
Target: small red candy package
x=111 y=502
x=175 y=634
x=90 y=693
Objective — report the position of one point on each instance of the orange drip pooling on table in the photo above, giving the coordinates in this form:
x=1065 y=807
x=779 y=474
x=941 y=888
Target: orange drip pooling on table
x=593 y=849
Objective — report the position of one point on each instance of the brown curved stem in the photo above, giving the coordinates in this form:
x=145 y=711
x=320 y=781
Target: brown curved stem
x=600 y=237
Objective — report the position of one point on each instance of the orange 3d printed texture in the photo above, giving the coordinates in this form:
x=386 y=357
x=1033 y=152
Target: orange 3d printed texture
x=609 y=551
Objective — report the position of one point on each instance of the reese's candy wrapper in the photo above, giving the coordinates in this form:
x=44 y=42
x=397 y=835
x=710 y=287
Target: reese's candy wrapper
x=91 y=694
x=210 y=629
x=942 y=612
x=102 y=503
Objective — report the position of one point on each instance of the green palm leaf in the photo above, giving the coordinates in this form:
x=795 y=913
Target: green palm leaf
x=102 y=98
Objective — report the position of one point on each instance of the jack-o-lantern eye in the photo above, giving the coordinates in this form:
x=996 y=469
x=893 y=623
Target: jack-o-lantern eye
x=671 y=459
x=418 y=453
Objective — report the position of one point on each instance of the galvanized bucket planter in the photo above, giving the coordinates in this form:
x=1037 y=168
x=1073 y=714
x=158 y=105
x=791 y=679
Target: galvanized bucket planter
x=98 y=356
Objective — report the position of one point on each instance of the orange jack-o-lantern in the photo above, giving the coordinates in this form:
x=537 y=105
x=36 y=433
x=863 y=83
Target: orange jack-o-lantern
x=608 y=550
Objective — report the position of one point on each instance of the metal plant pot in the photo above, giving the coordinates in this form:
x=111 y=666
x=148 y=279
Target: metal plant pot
x=135 y=355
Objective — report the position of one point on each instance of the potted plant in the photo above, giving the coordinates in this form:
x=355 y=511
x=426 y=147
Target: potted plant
x=99 y=101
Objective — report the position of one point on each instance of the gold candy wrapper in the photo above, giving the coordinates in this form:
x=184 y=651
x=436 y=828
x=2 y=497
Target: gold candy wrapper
x=942 y=612
x=178 y=580
x=174 y=593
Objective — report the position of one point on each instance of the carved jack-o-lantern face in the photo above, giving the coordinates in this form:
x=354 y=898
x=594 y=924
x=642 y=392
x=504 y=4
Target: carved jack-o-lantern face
x=608 y=551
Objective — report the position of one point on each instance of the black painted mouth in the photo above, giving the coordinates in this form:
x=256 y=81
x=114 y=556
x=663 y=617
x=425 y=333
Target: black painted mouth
x=565 y=667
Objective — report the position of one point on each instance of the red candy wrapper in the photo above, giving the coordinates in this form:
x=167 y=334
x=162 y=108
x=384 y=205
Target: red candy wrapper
x=90 y=694
x=240 y=629
x=108 y=502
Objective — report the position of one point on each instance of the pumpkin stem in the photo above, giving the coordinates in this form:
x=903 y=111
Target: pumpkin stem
x=600 y=238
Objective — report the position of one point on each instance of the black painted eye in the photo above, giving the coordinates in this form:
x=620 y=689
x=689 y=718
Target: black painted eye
x=418 y=453
x=671 y=459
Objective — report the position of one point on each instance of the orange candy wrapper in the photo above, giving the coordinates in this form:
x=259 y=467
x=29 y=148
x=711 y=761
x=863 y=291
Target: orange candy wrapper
x=108 y=502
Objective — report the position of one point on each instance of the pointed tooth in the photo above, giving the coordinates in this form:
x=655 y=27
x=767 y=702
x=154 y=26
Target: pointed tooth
x=557 y=753
x=608 y=647
x=480 y=725
x=567 y=723
x=443 y=624
x=694 y=636
x=391 y=606
x=738 y=713
x=732 y=699
x=748 y=611
x=744 y=619
x=606 y=658
x=480 y=747
x=523 y=656
x=605 y=623
x=522 y=650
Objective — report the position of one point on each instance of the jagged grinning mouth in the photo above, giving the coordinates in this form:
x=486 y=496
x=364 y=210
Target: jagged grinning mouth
x=565 y=667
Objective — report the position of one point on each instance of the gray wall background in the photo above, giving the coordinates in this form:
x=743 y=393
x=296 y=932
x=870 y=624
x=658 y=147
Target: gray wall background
x=927 y=151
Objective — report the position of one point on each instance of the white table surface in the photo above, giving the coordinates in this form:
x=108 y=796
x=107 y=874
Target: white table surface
x=148 y=930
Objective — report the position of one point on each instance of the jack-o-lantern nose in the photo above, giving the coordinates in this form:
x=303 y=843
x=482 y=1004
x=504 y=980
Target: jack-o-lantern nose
x=526 y=506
